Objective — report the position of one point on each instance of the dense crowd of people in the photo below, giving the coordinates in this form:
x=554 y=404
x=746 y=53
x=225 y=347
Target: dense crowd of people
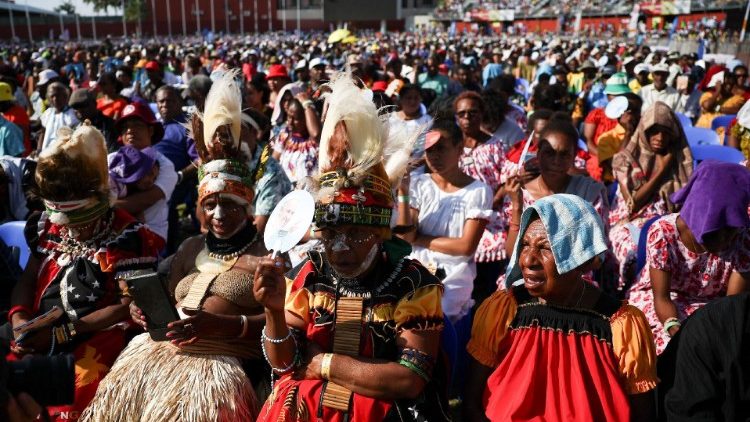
x=505 y=228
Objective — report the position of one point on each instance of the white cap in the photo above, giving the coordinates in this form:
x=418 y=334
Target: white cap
x=318 y=61
x=47 y=75
x=616 y=107
x=302 y=64
x=641 y=67
x=661 y=67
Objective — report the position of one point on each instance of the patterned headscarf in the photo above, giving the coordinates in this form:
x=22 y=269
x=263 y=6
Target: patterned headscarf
x=574 y=229
x=634 y=165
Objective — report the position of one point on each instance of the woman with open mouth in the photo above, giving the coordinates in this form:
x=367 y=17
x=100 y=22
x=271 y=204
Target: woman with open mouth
x=549 y=346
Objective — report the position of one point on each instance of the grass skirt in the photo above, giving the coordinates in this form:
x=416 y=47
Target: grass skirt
x=156 y=381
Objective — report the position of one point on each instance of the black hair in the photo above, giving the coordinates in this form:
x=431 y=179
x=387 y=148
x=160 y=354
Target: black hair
x=449 y=128
x=504 y=83
x=259 y=83
x=111 y=78
x=550 y=97
x=542 y=114
x=560 y=123
x=169 y=88
x=409 y=87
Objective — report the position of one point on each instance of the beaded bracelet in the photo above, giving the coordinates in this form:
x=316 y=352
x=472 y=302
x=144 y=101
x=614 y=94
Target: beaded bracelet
x=418 y=362
x=280 y=371
x=671 y=322
x=263 y=336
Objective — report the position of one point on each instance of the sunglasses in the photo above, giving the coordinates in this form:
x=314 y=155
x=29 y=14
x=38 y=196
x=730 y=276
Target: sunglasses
x=467 y=113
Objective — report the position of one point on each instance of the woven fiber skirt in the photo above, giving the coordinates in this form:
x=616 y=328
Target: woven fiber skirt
x=156 y=381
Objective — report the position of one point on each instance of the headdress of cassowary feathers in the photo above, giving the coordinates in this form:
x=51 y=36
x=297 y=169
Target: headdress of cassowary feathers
x=225 y=158
x=72 y=176
x=362 y=158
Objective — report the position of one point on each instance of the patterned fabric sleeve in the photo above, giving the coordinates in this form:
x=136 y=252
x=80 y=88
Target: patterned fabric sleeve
x=298 y=298
x=135 y=249
x=633 y=344
x=420 y=310
x=491 y=324
x=657 y=246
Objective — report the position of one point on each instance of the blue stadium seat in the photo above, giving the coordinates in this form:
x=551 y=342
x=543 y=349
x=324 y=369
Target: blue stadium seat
x=11 y=234
x=612 y=192
x=684 y=120
x=716 y=152
x=641 y=251
x=723 y=122
x=701 y=136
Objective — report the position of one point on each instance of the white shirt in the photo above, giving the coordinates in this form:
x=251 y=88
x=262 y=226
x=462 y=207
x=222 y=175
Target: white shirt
x=52 y=120
x=156 y=217
x=443 y=214
x=668 y=95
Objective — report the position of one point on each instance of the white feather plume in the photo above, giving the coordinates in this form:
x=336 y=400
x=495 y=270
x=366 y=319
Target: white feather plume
x=398 y=147
x=373 y=139
x=349 y=104
x=223 y=107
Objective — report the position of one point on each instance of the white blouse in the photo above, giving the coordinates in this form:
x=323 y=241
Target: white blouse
x=443 y=214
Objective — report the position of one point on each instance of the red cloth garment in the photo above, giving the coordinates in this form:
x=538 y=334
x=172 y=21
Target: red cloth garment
x=18 y=116
x=392 y=308
x=601 y=121
x=558 y=364
x=92 y=285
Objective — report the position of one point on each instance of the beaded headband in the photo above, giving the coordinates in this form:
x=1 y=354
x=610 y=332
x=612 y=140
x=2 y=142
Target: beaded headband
x=76 y=212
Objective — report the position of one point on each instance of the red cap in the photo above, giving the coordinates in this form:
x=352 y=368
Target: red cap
x=277 y=71
x=152 y=65
x=141 y=111
x=379 y=86
x=431 y=138
x=443 y=68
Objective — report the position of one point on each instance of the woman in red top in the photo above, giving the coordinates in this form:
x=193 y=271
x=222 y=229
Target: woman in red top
x=111 y=102
x=552 y=347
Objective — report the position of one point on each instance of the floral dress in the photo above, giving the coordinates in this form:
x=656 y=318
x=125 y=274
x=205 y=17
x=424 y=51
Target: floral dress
x=484 y=163
x=695 y=279
x=298 y=155
x=625 y=231
x=743 y=135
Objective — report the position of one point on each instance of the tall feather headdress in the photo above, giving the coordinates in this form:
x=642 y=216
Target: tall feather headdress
x=363 y=156
x=225 y=161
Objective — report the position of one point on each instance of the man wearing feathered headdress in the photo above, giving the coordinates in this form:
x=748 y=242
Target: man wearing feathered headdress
x=359 y=306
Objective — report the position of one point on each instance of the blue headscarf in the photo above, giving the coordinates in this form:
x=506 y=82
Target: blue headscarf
x=574 y=229
x=490 y=72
